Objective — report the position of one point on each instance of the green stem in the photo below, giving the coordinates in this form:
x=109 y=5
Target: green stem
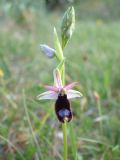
x=64 y=127
x=63 y=74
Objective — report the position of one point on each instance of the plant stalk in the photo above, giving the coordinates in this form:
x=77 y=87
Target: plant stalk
x=64 y=125
x=64 y=128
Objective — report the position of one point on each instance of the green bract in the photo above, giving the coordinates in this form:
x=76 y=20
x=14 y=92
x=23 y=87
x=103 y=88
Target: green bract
x=59 y=52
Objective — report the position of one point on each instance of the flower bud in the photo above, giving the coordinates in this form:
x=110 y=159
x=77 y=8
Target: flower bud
x=68 y=24
x=48 y=51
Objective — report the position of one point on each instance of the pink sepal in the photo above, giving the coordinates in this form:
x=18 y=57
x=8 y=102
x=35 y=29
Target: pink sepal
x=51 y=88
x=70 y=86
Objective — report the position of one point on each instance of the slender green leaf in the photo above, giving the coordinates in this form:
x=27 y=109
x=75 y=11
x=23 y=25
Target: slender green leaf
x=58 y=48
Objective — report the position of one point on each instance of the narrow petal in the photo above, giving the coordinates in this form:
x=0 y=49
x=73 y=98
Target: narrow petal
x=70 y=86
x=73 y=94
x=57 y=78
x=47 y=95
x=51 y=88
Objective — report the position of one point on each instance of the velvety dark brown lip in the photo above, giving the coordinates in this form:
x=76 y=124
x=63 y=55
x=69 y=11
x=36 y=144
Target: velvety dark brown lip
x=62 y=108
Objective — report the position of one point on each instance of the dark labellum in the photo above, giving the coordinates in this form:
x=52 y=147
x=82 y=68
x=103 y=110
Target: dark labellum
x=62 y=108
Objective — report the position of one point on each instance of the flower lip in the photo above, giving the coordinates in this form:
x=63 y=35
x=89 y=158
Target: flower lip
x=62 y=108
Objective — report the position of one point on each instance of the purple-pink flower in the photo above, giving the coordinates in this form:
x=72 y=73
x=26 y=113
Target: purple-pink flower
x=54 y=91
x=61 y=94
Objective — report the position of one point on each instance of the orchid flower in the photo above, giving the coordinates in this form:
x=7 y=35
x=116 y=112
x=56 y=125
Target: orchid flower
x=61 y=94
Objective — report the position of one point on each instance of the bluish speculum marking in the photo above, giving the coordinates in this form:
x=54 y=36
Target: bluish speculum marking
x=64 y=112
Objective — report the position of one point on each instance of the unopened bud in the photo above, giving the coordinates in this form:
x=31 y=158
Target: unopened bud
x=68 y=24
x=48 y=51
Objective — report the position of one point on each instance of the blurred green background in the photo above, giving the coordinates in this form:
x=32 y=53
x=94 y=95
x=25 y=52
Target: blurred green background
x=29 y=129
